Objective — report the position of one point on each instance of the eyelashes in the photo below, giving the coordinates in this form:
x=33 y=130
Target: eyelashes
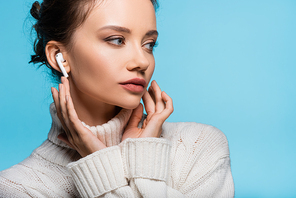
x=120 y=41
x=151 y=45
x=116 y=40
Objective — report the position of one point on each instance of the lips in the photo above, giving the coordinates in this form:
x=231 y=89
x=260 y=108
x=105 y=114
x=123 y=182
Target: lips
x=134 y=85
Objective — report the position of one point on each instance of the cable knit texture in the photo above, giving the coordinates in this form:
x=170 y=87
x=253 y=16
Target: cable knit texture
x=188 y=160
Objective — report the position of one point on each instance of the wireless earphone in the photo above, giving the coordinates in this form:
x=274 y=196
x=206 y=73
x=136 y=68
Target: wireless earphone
x=60 y=60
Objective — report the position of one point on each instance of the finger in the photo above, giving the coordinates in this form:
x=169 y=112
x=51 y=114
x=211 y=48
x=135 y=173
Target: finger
x=66 y=89
x=55 y=96
x=148 y=103
x=151 y=93
x=169 y=108
x=154 y=127
x=63 y=137
x=65 y=82
x=159 y=103
x=135 y=117
x=76 y=125
x=64 y=112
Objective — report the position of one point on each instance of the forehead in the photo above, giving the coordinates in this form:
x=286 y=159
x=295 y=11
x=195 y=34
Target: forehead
x=133 y=14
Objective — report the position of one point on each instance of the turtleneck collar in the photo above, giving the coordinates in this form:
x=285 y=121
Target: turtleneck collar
x=57 y=151
x=109 y=133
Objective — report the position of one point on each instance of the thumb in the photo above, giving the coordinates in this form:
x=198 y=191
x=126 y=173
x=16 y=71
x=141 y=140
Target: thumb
x=64 y=138
x=135 y=117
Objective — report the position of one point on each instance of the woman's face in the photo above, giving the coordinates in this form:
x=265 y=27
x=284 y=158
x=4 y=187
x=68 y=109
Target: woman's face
x=111 y=59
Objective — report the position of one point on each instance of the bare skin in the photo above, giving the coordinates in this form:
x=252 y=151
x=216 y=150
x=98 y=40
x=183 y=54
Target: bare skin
x=158 y=104
x=102 y=57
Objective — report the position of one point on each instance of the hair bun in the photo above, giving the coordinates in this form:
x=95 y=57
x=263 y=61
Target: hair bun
x=35 y=10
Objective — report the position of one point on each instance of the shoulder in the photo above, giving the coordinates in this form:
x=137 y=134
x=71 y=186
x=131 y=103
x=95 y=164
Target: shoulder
x=10 y=182
x=199 y=160
x=33 y=177
x=196 y=135
x=21 y=173
x=191 y=130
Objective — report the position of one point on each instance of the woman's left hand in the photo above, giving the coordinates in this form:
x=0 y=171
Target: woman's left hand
x=158 y=105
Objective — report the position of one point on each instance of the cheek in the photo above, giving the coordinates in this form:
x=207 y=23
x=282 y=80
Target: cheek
x=151 y=68
x=96 y=70
x=93 y=63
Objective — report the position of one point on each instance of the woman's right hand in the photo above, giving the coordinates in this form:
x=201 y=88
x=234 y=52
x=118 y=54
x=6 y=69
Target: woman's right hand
x=76 y=135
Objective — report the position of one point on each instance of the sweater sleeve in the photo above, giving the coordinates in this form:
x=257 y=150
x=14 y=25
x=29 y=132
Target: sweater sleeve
x=100 y=173
x=146 y=161
x=138 y=167
x=198 y=166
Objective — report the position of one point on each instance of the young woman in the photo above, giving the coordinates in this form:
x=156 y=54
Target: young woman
x=100 y=143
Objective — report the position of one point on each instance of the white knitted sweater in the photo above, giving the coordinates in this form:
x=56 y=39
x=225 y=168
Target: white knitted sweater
x=188 y=160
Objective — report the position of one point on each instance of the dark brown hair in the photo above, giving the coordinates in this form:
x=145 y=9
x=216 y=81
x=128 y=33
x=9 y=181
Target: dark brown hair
x=57 y=20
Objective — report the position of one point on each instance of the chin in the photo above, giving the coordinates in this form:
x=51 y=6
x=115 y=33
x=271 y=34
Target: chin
x=130 y=104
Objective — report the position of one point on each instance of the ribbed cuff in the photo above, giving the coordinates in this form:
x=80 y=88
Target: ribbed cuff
x=146 y=158
x=98 y=173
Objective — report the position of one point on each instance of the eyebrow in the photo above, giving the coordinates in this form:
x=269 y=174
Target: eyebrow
x=152 y=32
x=126 y=30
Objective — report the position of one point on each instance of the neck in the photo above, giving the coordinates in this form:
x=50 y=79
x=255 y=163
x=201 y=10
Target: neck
x=89 y=110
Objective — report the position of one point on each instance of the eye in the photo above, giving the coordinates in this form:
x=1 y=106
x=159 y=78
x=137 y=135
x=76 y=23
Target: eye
x=151 y=45
x=115 y=40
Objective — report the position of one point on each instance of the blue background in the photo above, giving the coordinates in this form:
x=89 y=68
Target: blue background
x=227 y=63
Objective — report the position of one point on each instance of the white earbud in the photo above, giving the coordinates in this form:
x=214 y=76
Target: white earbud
x=60 y=60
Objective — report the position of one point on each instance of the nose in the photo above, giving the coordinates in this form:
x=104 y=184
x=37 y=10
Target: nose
x=138 y=60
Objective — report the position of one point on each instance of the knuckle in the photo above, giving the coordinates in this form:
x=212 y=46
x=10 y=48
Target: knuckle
x=72 y=118
x=170 y=107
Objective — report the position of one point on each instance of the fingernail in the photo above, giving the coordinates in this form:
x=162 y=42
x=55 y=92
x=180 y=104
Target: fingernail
x=67 y=98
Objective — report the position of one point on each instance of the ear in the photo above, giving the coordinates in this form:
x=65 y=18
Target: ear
x=51 y=50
